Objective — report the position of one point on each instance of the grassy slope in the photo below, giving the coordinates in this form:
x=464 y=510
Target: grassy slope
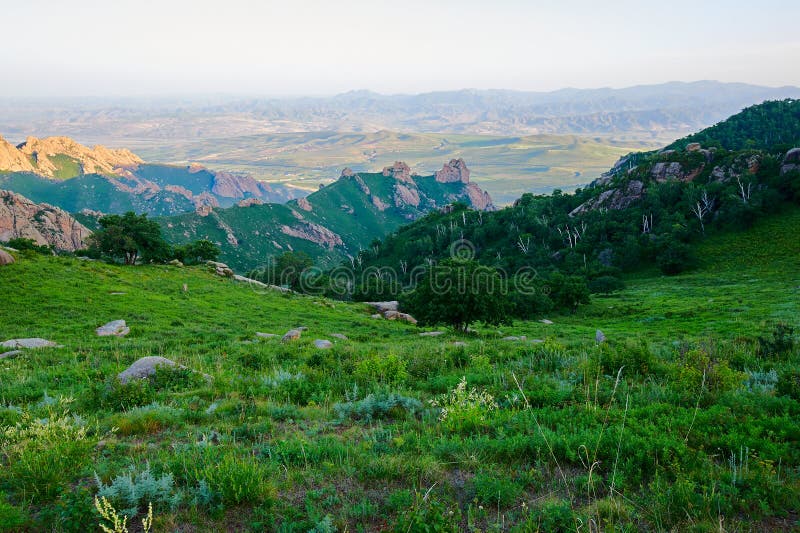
x=358 y=474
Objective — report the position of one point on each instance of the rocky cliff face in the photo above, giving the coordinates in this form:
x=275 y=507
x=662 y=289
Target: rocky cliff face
x=454 y=171
x=399 y=171
x=21 y=218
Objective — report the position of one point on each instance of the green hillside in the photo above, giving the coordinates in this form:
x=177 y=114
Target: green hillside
x=346 y=217
x=683 y=419
x=772 y=125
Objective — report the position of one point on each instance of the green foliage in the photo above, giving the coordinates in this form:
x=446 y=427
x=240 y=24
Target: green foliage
x=133 y=491
x=428 y=515
x=128 y=237
x=606 y=285
x=11 y=517
x=780 y=343
x=287 y=270
x=29 y=244
x=497 y=491
x=568 y=292
x=458 y=293
x=675 y=257
x=378 y=406
x=197 y=252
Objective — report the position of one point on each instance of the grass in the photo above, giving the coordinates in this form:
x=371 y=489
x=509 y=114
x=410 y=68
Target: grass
x=659 y=428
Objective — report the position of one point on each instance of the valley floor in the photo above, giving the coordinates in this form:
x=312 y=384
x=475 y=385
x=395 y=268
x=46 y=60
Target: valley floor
x=685 y=418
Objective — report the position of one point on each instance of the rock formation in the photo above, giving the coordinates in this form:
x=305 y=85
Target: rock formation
x=97 y=160
x=454 y=171
x=304 y=204
x=314 y=233
x=399 y=171
x=616 y=198
x=406 y=195
x=45 y=224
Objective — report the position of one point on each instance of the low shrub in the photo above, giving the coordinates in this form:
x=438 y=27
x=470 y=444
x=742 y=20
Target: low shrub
x=133 y=491
x=378 y=406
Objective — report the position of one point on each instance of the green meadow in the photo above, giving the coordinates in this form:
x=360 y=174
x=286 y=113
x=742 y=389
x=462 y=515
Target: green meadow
x=686 y=418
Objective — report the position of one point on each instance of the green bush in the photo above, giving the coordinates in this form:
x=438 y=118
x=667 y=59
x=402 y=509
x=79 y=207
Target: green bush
x=132 y=492
x=378 y=406
x=494 y=490
x=429 y=516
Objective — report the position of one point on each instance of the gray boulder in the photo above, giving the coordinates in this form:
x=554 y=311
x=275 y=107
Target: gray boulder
x=323 y=344
x=116 y=328
x=339 y=336
x=12 y=353
x=431 y=333
x=382 y=307
x=265 y=335
x=29 y=343
x=145 y=367
x=599 y=336
x=292 y=335
x=546 y=321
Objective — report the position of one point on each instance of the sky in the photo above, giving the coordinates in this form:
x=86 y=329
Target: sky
x=310 y=47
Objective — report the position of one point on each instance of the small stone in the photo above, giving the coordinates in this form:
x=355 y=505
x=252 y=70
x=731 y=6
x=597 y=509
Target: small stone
x=323 y=344
x=546 y=321
x=460 y=344
x=513 y=338
x=176 y=263
x=265 y=335
x=376 y=315
x=599 y=336
x=431 y=333
x=117 y=328
x=12 y=353
x=339 y=336
x=537 y=341
x=292 y=335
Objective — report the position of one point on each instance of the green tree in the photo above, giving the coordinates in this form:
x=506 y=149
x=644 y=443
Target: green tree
x=568 y=292
x=458 y=293
x=197 y=252
x=286 y=270
x=129 y=237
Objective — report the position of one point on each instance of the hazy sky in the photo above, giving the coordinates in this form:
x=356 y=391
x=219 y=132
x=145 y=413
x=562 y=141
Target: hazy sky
x=144 y=47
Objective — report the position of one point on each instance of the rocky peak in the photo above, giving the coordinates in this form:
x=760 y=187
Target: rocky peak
x=454 y=171
x=399 y=171
x=348 y=173
x=791 y=161
x=45 y=224
x=97 y=160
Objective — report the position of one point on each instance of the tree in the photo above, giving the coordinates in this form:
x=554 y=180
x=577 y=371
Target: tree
x=568 y=292
x=459 y=292
x=285 y=270
x=675 y=257
x=128 y=238
x=196 y=252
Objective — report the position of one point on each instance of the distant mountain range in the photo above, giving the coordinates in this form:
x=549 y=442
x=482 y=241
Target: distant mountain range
x=66 y=174
x=644 y=110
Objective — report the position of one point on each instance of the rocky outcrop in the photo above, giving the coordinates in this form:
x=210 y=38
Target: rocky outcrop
x=98 y=160
x=479 y=198
x=406 y=195
x=304 y=204
x=12 y=159
x=454 y=171
x=314 y=233
x=399 y=171
x=664 y=171
x=616 y=198
x=247 y=202
x=347 y=173
x=378 y=203
x=32 y=343
x=791 y=161
x=45 y=224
